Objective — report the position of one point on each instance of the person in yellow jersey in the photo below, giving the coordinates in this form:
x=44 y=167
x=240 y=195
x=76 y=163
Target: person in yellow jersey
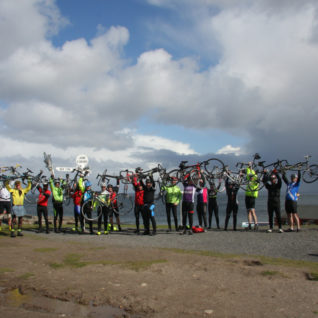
x=251 y=194
x=18 y=193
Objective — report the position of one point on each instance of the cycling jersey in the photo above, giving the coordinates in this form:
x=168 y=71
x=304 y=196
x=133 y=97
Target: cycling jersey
x=188 y=192
x=57 y=192
x=252 y=189
x=173 y=194
x=43 y=197
x=292 y=188
x=18 y=195
x=5 y=195
x=202 y=195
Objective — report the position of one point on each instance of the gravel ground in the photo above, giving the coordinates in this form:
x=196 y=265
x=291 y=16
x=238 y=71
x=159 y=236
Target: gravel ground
x=297 y=246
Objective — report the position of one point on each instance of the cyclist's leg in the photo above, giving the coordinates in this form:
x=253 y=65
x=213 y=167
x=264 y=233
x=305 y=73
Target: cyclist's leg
x=235 y=210
x=204 y=209
x=39 y=212
x=175 y=217
x=168 y=207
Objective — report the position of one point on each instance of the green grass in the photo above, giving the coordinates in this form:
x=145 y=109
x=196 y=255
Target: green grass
x=26 y=276
x=45 y=249
x=6 y=270
x=141 y=265
x=270 y=273
x=265 y=260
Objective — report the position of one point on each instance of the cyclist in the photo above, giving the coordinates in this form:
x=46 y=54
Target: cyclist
x=172 y=198
x=188 y=204
x=5 y=208
x=232 y=202
x=202 y=205
x=103 y=196
x=113 y=210
x=273 y=184
x=291 y=200
x=18 y=193
x=149 y=206
x=57 y=199
x=86 y=188
x=77 y=198
x=44 y=194
x=213 y=205
x=251 y=194
x=139 y=199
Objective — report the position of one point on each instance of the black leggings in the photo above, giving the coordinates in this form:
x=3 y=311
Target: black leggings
x=271 y=208
x=58 y=214
x=213 y=207
x=172 y=207
x=104 y=216
x=43 y=210
x=187 y=211
x=201 y=209
x=231 y=207
x=139 y=210
x=147 y=217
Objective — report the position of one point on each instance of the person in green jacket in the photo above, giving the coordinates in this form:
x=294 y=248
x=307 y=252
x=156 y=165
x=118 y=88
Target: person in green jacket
x=57 y=199
x=173 y=197
x=251 y=194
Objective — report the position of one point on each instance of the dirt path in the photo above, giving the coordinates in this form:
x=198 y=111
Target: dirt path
x=44 y=277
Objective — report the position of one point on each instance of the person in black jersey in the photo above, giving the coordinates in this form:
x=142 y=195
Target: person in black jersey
x=273 y=184
x=148 y=209
x=213 y=204
x=232 y=202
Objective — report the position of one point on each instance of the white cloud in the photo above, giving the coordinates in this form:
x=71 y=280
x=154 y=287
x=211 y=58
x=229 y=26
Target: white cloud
x=228 y=149
x=81 y=95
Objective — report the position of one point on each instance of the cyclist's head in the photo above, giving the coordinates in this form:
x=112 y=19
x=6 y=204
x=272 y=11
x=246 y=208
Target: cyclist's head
x=87 y=184
x=103 y=186
x=174 y=180
x=138 y=169
x=110 y=188
x=57 y=182
x=45 y=185
x=17 y=184
x=148 y=182
x=273 y=178
x=293 y=177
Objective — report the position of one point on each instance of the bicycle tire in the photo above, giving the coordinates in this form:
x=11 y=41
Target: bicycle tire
x=310 y=175
x=196 y=177
x=213 y=165
x=95 y=208
x=124 y=204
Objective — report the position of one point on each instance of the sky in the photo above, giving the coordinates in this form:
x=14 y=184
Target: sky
x=139 y=82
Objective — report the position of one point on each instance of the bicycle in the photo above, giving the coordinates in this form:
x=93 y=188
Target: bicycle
x=310 y=172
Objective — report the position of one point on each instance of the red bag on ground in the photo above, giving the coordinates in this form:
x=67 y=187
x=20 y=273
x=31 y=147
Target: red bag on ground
x=197 y=229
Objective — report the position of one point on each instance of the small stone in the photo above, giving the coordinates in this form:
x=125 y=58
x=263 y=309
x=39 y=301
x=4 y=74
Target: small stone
x=143 y=285
x=208 y=311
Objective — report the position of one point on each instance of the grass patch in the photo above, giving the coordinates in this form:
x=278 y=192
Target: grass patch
x=142 y=265
x=270 y=273
x=70 y=260
x=26 y=276
x=45 y=249
x=6 y=270
x=312 y=276
x=265 y=260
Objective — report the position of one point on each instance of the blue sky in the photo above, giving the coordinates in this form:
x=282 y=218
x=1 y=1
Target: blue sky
x=127 y=82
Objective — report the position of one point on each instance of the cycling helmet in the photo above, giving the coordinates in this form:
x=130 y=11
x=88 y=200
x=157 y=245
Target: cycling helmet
x=294 y=176
x=103 y=185
x=148 y=180
x=110 y=186
x=138 y=169
x=88 y=184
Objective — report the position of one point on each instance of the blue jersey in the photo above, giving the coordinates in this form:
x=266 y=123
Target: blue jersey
x=292 y=191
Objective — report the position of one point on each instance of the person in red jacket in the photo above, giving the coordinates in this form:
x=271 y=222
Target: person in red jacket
x=139 y=201
x=77 y=198
x=44 y=194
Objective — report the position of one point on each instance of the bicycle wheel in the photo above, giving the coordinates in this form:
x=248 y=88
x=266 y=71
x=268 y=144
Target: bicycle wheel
x=213 y=166
x=198 y=178
x=311 y=175
x=92 y=210
x=124 y=204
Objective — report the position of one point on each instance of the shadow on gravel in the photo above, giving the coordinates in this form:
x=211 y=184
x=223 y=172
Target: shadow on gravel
x=316 y=255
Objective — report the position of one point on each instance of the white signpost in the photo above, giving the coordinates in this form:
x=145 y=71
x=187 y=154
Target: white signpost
x=64 y=169
x=82 y=161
